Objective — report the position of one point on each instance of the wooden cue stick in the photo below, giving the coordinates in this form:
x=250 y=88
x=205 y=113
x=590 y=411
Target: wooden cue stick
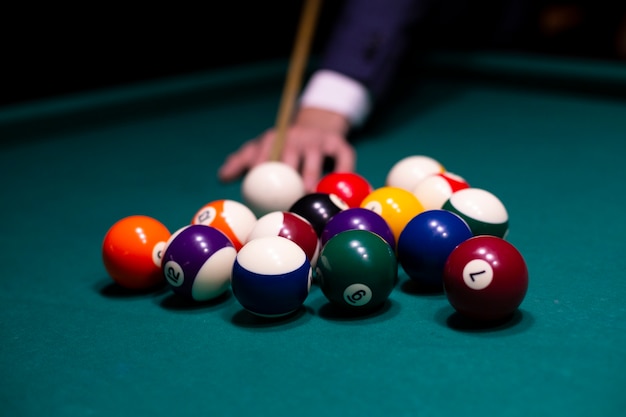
x=297 y=64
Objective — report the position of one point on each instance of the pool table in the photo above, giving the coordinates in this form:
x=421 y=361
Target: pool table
x=546 y=135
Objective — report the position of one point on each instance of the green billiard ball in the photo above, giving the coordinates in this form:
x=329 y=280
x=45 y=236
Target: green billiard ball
x=357 y=270
x=483 y=212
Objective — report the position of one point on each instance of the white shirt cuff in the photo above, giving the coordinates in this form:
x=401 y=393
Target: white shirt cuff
x=330 y=90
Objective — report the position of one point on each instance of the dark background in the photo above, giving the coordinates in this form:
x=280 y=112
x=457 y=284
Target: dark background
x=48 y=50
x=52 y=51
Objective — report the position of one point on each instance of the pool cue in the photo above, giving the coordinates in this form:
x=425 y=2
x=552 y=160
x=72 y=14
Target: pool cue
x=293 y=82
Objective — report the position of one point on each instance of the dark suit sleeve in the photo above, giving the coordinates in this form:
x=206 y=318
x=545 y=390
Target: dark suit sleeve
x=370 y=38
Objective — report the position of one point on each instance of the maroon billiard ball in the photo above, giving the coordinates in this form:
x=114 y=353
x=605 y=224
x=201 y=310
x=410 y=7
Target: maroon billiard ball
x=485 y=278
x=290 y=226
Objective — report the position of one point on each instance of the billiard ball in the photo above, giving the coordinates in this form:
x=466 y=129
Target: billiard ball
x=351 y=187
x=426 y=242
x=318 y=208
x=271 y=276
x=358 y=218
x=483 y=211
x=408 y=171
x=132 y=249
x=230 y=217
x=396 y=205
x=290 y=226
x=485 y=278
x=434 y=190
x=271 y=186
x=357 y=270
x=198 y=261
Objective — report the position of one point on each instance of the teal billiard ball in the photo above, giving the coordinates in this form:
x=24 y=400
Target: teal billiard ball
x=271 y=276
x=482 y=210
x=485 y=278
x=357 y=270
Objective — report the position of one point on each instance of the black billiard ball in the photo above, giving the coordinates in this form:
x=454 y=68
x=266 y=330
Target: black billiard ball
x=318 y=209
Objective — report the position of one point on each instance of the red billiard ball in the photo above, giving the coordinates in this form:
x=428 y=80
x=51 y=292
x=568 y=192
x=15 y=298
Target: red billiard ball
x=290 y=226
x=132 y=249
x=349 y=186
x=271 y=276
x=230 y=217
x=485 y=278
x=198 y=262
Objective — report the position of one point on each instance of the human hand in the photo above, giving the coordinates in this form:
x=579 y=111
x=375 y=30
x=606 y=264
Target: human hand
x=314 y=135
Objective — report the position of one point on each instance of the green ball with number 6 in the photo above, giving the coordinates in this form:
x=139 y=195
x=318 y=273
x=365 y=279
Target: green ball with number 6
x=357 y=270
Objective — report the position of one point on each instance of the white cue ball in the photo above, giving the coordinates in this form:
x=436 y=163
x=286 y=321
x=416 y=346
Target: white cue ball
x=407 y=172
x=272 y=186
x=434 y=190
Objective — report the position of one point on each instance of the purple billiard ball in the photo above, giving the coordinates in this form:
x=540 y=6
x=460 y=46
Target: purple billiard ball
x=198 y=262
x=426 y=242
x=358 y=219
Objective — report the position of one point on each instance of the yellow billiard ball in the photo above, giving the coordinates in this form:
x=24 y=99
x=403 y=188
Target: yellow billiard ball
x=396 y=205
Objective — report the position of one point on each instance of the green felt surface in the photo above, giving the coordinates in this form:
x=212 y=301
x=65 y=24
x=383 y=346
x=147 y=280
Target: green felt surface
x=74 y=344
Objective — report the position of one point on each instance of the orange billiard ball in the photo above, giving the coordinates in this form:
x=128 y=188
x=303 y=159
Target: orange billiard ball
x=230 y=217
x=132 y=250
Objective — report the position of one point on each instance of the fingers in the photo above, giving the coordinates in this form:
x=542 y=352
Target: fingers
x=345 y=157
x=309 y=151
x=312 y=162
x=247 y=156
x=237 y=162
x=305 y=150
x=293 y=153
x=265 y=147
